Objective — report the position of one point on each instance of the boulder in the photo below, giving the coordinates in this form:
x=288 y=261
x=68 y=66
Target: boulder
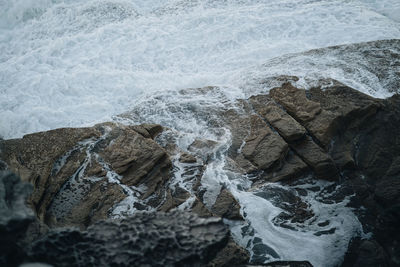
x=144 y=239
x=226 y=206
x=295 y=102
x=304 y=111
x=187 y=158
x=137 y=159
x=200 y=209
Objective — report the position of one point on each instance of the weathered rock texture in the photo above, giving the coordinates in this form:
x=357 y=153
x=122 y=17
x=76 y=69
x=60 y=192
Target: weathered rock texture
x=230 y=255
x=15 y=217
x=226 y=206
x=145 y=239
x=79 y=174
x=340 y=132
x=335 y=133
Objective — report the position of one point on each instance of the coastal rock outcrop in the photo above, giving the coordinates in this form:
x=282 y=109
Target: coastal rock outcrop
x=80 y=174
x=145 y=238
x=85 y=175
x=351 y=135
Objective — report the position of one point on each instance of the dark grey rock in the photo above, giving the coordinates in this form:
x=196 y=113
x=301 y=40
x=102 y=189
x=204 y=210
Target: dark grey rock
x=15 y=217
x=145 y=239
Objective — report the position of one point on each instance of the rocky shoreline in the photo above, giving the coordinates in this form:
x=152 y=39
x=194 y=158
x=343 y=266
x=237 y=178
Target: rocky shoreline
x=114 y=183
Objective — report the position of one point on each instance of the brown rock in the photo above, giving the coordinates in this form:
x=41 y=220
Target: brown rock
x=201 y=210
x=281 y=121
x=309 y=113
x=35 y=158
x=174 y=198
x=147 y=130
x=226 y=206
x=325 y=113
x=153 y=129
x=245 y=166
x=187 y=158
x=137 y=159
x=263 y=147
x=293 y=167
x=203 y=148
x=230 y=255
x=295 y=102
x=71 y=169
x=320 y=162
x=239 y=125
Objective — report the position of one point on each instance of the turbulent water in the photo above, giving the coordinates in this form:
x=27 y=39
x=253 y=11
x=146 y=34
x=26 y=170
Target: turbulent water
x=75 y=62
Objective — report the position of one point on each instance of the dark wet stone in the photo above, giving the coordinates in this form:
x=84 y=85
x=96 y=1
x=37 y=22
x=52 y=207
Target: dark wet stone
x=325 y=223
x=262 y=249
x=326 y=232
x=230 y=255
x=227 y=206
x=15 y=218
x=145 y=239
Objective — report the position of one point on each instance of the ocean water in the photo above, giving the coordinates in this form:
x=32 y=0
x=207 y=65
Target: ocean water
x=74 y=63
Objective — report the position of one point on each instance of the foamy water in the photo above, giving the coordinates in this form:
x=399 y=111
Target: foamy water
x=75 y=63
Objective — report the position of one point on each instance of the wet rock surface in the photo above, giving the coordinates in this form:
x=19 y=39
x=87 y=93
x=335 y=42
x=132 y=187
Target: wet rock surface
x=145 y=239
x=353 y=133
x=15 y=217
x=286 y=125
x=80 y=174
x=293 y=136
x=226 y=206
x=230 y=255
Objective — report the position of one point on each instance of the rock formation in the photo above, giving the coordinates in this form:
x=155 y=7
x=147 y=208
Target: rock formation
x=79 y=174
x=82 y=176
x=352 y=136
x=15 y=217
x=145 y=239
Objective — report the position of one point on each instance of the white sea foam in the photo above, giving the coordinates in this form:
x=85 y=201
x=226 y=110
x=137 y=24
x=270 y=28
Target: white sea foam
x=301 y=243
x=73 y=63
